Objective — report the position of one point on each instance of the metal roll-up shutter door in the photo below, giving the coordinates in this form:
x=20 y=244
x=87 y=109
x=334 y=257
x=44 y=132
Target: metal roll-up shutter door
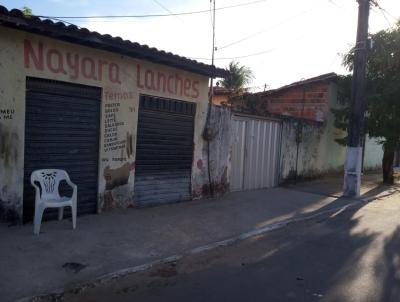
x=164 y=151
x=62 y=126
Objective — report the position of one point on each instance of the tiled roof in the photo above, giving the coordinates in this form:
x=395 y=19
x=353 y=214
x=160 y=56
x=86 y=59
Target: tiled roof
x=321 y=78
x=71 y=33
x=218 y=90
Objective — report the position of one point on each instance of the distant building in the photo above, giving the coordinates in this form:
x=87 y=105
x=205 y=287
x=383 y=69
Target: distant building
x=307 y=141
x=221 y=95
x=306 y=99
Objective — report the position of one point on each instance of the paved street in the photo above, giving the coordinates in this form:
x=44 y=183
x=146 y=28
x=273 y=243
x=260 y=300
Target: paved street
x=121 y=239
x=353 y=256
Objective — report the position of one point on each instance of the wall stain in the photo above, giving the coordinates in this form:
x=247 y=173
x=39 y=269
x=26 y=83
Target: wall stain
x=109 y=202
x=129 y=144
x=200 y=164
x=9 y=211
x=117 y=177
x=8 y=147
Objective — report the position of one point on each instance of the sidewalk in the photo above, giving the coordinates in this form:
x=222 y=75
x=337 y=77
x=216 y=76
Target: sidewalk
x=119 y=239
x=332 y=185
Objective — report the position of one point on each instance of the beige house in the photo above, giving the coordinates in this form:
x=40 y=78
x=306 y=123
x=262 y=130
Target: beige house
x=123 y=119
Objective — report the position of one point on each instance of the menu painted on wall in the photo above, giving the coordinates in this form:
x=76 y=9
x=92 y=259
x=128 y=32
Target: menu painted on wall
x=6 y=113
x=112 y=139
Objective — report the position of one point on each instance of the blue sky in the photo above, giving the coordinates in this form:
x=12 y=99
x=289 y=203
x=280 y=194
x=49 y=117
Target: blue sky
x=83 y=7
x=292 y=39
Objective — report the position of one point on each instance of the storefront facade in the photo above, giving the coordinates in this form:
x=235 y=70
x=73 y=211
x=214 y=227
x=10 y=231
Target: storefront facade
x=127 y=130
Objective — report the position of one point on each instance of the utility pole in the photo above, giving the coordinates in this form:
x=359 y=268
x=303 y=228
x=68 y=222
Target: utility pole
x=352 y=174
x=211 y=93
x=207 y=133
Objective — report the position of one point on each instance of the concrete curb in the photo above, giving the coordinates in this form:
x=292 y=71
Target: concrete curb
x=78 y=288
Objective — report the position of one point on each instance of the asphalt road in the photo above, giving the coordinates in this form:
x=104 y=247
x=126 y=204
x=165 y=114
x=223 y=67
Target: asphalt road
x=353 y=256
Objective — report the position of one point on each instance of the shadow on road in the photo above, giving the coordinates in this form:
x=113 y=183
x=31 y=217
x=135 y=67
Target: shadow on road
x=332 y=185
x=389 y=274
x=354 y=256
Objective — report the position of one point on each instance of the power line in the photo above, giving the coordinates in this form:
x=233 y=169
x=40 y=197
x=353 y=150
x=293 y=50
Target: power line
x=162 y=6
x=237 y=57
x=66 y=22
x=267 y=29
x=375 y=3
x=384 y=16
x=384 y=13
x=152 y=15
x=251 y=54
x=334 y=3
x=166 y=9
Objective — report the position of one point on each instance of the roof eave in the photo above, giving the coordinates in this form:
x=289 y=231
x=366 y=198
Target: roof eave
x=85 y=37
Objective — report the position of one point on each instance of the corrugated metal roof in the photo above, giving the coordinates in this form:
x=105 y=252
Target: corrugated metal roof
x=72 y=33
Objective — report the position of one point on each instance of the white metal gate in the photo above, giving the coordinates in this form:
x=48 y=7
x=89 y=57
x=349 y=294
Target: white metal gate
x=255 y=153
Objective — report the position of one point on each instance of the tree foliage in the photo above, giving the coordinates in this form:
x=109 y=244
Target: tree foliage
x=26 y=11
x=342 y=114
x=382 y=118
x=239 y=77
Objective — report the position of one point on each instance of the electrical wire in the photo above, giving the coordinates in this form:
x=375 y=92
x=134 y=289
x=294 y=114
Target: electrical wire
x=384 y=16
x=252 y=54
x=66 y=22
x=210 y=11
x=237 y=57
x=166 y=9
x=153 y=15
x=162 y=6
x=384 y=11
x=334 y=3
x=268 y=29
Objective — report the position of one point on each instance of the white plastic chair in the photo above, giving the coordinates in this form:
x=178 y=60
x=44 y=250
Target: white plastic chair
x=47 y=196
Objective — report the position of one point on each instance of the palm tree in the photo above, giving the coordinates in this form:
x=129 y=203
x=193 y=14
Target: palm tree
x=239 y=77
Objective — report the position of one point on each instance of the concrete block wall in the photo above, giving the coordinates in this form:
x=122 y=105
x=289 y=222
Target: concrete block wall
x=308 y=102
x=309 y=148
